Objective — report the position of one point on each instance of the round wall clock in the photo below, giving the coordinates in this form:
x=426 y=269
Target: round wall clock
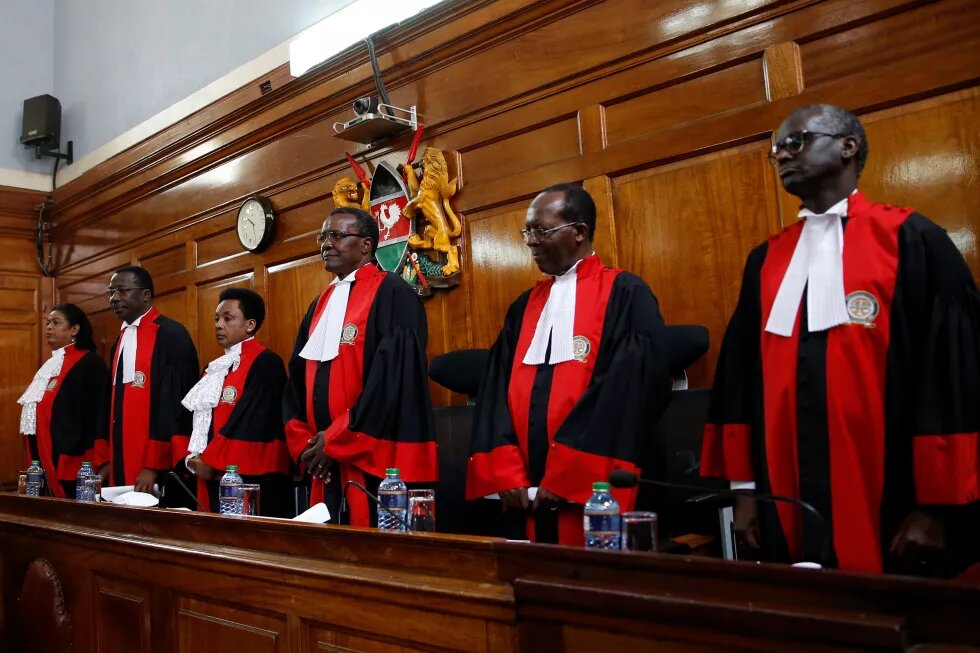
x=256 y=223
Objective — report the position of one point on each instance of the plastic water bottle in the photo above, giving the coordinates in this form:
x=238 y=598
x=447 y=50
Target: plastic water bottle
x=394 y=496
x=230 y=492
x=83 y=490
x=602 y=521
x=35 y=479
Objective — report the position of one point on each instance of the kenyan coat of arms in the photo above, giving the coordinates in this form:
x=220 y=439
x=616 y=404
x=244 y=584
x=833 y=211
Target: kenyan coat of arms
x=416 y=223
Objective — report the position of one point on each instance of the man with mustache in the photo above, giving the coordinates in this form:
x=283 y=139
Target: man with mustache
x=848 y=376
x=154 y=364
x=357 y=401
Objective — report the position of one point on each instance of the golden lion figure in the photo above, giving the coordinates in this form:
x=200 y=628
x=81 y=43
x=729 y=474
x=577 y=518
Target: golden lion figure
x=347 y=194
x=431 y=196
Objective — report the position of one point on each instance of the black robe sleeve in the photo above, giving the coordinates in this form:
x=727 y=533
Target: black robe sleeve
x=173 y=373
x=298 y=430
x=729 y=447
x=80 y=417
x=942 y=319
x=496 y=462
x=257 y=416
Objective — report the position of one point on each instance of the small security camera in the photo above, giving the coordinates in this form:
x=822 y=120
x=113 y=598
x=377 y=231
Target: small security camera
x=365 y=105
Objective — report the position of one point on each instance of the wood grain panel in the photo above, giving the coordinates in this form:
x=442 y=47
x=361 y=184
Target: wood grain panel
x=927 y=156
x=502 y=267
x=173 y=305
x=207 y=627
x=19 y=300
x=398 y=628
x=207 y=301
x=122 y=616
x=292 y=288
x=783 y=71
x=523 y=150
x=872 y=47
x=169 y=261
x=687 y=229
x=19 y=345
x=19 y=255
x=219 y=246
x=664 y=108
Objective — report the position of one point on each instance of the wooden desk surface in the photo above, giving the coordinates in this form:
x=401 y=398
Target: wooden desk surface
x=154 y=580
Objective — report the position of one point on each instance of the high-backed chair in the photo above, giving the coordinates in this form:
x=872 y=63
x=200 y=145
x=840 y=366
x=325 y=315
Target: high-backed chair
x=461 y=372
x=673 y=454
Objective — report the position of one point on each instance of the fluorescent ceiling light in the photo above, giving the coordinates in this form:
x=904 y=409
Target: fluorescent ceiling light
x=342 y=29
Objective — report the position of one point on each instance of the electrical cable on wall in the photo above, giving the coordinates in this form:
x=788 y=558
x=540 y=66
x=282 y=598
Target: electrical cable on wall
x=45 y=260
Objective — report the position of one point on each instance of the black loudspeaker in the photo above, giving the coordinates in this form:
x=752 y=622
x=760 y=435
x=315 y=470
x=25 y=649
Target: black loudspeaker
x=42 y=122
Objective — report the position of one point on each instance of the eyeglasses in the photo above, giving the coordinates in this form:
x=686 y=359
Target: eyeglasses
x=121 y=290
x=537 y=235
x=335 y=236
x=797 y=141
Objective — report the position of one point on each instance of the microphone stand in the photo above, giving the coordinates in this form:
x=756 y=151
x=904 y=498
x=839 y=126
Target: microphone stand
x=624 y=479
x=376 y=500
x=172 y=474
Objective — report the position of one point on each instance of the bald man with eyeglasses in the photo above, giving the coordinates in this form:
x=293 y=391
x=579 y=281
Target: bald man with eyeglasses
x=576 y=380
x=848 y=376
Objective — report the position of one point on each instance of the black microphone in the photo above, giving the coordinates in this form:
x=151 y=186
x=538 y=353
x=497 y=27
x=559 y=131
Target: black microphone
x=376 y=500
x=622 y=478
x=172 y=474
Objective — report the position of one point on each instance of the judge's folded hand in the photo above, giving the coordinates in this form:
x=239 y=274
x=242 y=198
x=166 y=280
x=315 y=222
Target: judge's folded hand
x=105 y=472
x=515 y=499
x=745 y=522
x=316 y=460
x=920 y=539
x=145 y=480
x=546 y=500
x=203 y=470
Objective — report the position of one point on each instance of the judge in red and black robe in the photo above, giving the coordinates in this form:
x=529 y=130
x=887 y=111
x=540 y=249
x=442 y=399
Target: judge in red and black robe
x=154 y=365
x=65 y=409
x=848 y=376
x=237 y=408
x=357 y=401
x=576 y=380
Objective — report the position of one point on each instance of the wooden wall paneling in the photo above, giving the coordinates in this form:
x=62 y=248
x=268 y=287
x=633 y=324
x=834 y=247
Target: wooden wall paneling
x=662 y=108
x=122 y=616
x=523 y=150
x=292 y=288
x=21 y=345
x=209 y=627
x=783 y=71
x=687 y=229
x=927 y=155
x=173 y=304
x=592 y=128
x=167 y=262
x=207 y=301
x=502 y=267
x=604 y=241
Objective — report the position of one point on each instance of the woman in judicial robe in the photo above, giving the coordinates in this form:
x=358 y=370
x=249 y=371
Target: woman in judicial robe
x=65 y=410
x=237 y=408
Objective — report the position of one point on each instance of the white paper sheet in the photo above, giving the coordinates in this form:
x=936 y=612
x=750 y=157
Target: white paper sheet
x=317 y=514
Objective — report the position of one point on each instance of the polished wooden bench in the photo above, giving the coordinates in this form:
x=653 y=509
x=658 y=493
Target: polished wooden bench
x=147 y=580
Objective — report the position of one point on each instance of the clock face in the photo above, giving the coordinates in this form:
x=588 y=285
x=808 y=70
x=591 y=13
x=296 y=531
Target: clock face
x=252 y=225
